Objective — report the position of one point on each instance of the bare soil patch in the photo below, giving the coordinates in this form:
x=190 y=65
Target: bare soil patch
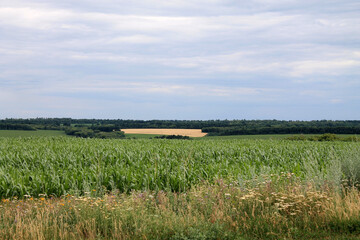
x=166 y=131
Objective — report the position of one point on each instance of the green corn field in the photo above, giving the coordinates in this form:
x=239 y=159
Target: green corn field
x=56 y=166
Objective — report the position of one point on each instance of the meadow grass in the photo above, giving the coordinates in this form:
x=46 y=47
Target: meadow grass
x=269 y=136
x=53 y=133
x=38 y=133
x=280 y=208
x=146 y=136
x=264 y=136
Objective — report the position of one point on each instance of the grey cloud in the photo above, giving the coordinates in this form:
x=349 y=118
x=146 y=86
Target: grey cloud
x=235 y=51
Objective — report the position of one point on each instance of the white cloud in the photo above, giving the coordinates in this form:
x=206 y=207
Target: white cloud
x=134 y=39
x=184 y=27
x=314 y=93
x=209 y=49
x=42 y=19
x=324 y=67
x=21 y=52
x=336 y=100
x=149 y=88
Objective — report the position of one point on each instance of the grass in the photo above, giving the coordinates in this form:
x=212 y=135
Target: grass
x=142 y=136
x=41 y=133
x=73 y=188
x=267 y=136
x=54 y=133
x=38 y=133
x=280 y=208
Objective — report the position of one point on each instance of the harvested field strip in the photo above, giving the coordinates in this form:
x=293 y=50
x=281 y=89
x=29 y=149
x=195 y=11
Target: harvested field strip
x=166 y=131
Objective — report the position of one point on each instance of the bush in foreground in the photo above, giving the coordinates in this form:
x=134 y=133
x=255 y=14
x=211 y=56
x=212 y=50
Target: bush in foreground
x=327 y=137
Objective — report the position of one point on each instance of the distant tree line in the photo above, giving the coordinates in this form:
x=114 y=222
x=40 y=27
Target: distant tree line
x=78 y=129
x=85 y=132
x=212 y=127
x=222 y=131
x=16 y=126
x=58 y=123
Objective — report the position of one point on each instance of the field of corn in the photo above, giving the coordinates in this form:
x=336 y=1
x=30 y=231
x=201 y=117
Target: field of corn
x=60 y=166
x=72 y=188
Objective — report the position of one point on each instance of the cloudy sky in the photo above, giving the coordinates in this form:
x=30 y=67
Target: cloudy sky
x=180 y=59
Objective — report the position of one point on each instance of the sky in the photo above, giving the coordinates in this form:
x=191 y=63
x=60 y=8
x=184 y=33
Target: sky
x=180 y=59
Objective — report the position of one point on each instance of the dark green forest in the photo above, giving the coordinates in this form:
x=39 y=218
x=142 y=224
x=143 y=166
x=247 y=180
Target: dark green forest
x=106 y=127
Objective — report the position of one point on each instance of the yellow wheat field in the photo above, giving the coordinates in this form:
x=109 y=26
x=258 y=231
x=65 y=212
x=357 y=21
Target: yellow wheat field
x=166 y=131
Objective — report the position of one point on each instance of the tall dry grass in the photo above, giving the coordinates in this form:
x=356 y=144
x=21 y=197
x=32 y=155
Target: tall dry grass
x=280 y=207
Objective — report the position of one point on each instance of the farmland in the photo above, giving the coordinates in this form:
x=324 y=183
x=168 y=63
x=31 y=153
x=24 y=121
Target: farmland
x=139 y=183
x=60 y=166
x=164 y=131
x=38 y=133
